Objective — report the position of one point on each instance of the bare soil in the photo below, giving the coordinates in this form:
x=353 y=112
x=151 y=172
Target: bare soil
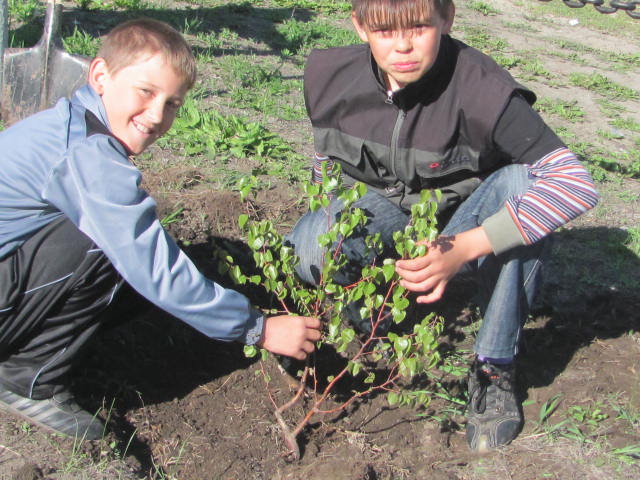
x=182 y=406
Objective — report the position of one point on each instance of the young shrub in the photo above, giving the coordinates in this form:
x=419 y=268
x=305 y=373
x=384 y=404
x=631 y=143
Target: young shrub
x=378 y=360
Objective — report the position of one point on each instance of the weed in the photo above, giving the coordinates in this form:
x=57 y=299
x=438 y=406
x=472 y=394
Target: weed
x=565 y=44
x=629 y=453
x=168 y=459
x=211 y=133
x=191 y=24
x=259 y=87
x=112 y=4
x=327 y=6
x=131 y=4
x=609 y=108
x=22 y=11
x=591 y=415
x=81 y=43
x=548 y=408
x=626 y=124
x=610 y=134
x=482 y=7
x=484 y=41
x=633 y=244
x=172 y=217
x=507 y=61
x=300 y=37
x=603 y=86
x=566 y=109
x=26 y=427
x=624 y=61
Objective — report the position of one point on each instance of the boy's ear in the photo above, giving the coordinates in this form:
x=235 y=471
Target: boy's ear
x=98 y=73
x=362 y=32
x=448 y=22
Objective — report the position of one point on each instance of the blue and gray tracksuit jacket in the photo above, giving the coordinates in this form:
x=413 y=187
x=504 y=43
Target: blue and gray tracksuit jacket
x=64 y=161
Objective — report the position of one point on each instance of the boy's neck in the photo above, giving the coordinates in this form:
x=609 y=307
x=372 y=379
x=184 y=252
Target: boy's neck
x=391 y=84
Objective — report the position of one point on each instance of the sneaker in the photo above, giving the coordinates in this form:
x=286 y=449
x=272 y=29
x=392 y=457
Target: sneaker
x=495 y=415
x=60 y=414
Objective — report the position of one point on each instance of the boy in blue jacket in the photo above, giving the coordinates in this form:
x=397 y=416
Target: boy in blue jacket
x=413 y=109
x=75 y=225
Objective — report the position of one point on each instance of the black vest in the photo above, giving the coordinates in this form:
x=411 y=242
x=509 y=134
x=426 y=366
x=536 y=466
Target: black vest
x=435 y=133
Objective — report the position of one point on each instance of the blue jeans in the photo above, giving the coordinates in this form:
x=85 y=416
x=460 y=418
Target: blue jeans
x=507 y=283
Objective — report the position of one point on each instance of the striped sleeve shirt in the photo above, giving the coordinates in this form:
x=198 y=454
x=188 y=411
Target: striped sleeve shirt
x=563 y=190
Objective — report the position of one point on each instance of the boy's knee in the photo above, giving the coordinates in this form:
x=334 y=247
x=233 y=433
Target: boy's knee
x=511 y=180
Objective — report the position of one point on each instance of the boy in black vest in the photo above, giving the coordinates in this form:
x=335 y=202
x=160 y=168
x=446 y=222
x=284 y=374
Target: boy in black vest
x=414 y=109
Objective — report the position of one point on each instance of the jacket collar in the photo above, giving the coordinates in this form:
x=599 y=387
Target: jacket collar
x=87 y=97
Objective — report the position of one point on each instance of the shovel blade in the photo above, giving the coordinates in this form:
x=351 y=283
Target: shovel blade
x=35 y=78
x=28 y=89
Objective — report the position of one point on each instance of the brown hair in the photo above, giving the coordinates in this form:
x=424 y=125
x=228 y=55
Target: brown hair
x=397 y=14
x=127 y=42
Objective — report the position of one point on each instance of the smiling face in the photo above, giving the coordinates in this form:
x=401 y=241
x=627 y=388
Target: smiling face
x=141 y=99
x=406 y=54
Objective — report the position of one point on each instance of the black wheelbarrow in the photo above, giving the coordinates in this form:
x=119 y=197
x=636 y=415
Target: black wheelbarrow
x=32 y=79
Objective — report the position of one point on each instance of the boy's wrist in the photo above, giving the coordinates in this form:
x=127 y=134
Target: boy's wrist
x=255 y=328
x=502 y=232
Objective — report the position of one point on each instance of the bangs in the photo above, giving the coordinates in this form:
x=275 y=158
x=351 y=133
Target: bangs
x=394 y=14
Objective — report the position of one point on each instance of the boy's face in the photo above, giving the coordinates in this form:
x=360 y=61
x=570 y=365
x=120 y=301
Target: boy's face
x=406 y=55
x=141 y=99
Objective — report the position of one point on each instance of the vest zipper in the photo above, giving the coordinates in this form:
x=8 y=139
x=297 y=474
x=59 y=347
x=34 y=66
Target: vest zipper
x=394 y=139
x=389 y=99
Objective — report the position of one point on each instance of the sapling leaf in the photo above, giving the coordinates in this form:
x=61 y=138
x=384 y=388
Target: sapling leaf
x=354 y=368
x=250 y=351
x=389 y=271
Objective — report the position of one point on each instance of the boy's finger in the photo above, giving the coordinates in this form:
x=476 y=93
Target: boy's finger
x=423 y=286
x=433 y=296
x=414 y=276
x=312 y=322
x=308 y=347
x=313 y=334
x=412 y=264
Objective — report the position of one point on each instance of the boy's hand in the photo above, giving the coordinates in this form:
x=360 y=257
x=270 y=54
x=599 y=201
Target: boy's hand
x=444 y=258
x=290 y=335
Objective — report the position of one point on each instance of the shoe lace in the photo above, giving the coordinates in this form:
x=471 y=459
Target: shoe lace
x=487 y=375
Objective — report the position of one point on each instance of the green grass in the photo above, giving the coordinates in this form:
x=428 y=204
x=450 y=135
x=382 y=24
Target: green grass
x=327 y=6
x=531 y=68
x=260 y=87
x=627 y=123
x=587 y=16
x=204 y=135
x=565 y=109
x=484 y=40
x=482 y=7
x=22 y=11
x=633 y=244
x=600 y=84
x=196 y=131
x=113 y=4
x=610 y=108
x=81 y=43
x=300 y=37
